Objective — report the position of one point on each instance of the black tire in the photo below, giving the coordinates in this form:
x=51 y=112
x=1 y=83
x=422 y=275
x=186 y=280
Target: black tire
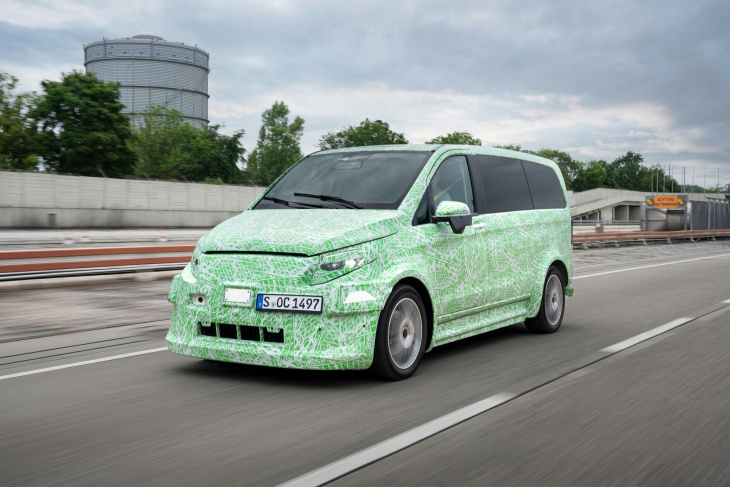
x=552 y=305
x=386 y=361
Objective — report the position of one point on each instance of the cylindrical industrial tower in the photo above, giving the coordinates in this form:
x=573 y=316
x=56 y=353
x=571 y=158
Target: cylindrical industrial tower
x=153 y=71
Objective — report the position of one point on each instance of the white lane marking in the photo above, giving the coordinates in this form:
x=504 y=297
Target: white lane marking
x=85 y=362
x=727 y=301
x=630 y=342
x=648 y=266
x=335 y=470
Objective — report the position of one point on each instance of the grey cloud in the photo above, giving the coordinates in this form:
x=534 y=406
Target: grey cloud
x=672 y=54
x=23 y=46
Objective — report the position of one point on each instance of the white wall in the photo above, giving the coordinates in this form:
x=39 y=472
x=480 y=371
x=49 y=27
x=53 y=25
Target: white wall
x=27 y=199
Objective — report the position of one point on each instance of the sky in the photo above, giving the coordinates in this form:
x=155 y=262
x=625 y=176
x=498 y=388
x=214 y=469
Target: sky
x=596 y=79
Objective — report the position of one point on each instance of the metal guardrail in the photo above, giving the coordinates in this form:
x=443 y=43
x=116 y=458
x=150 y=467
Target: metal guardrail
x=97 y=271
x=581 y=223
x=615 y=238
x=41 y=263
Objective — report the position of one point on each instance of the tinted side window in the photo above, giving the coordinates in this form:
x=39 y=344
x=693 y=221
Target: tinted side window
x=503 y=184
x=544 y=186
x=451 y=182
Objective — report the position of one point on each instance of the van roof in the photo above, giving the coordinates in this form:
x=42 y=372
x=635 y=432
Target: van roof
x=441 y=148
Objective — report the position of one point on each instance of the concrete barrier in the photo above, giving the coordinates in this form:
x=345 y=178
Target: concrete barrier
x=38 y=200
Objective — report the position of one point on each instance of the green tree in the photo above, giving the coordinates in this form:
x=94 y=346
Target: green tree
x=591 y=175
x=649 y=177
x=626 y=172
x=277 y=147
x=17 y=141
x=223 y=153
x=81 y=127
x=161 y=142
x=167 y=147
x=714 y=188
x=367 y=133
x=464 y=138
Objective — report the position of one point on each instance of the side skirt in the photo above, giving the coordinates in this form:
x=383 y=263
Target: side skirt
x=493 y=317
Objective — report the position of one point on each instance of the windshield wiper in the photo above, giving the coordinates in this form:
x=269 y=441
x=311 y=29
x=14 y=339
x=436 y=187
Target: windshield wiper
x=288 y=203
x=335 y=199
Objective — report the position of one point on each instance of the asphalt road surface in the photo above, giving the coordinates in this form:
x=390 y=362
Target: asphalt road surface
x=581 y=407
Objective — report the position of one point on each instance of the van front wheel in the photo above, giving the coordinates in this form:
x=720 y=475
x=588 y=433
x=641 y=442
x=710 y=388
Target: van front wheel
x=552 y=307
x=401 y=337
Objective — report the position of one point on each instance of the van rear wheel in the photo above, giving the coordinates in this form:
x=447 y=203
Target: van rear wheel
x=401 y=337
x=552 y=307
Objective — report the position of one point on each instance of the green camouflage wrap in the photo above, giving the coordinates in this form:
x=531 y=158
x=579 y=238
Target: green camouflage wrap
x=488 y=277
x=452 y=208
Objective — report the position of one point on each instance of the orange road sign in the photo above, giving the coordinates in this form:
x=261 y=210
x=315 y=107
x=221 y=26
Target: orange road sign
x=665 y=201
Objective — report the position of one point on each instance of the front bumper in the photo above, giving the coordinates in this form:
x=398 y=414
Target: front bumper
x=342 y=337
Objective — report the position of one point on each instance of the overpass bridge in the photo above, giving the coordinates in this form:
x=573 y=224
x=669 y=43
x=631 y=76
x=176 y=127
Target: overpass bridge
x=704 y=211
x=619 y=204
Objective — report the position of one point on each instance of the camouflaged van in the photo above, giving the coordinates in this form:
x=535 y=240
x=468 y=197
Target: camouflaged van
x=369 y=257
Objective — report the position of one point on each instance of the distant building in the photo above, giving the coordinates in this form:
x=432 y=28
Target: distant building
x=153 y=71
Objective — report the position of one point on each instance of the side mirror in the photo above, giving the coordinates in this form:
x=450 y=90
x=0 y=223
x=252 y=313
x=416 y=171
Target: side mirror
x=454 y=212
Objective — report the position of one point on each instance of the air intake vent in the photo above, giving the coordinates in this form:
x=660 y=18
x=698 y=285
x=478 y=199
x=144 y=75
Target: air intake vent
x=247 y=333
x=227 y=331
x=251 y=333
x=208 y=331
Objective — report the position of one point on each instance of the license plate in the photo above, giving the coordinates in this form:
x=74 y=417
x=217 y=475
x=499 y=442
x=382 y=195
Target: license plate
x=288 y=302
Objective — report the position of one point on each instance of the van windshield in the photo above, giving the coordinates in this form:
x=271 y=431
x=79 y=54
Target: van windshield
x=362 y=180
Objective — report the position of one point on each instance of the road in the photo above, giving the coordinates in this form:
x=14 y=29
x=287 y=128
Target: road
x=569 y=412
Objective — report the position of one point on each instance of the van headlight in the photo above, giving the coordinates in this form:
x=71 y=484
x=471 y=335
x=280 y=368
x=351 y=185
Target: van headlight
x=338 y=264
x=351 y=263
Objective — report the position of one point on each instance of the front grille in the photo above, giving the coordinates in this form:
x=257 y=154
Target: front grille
x=227 y=331
x=251 y=333
x=241 y=332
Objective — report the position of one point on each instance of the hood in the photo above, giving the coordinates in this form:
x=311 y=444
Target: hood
x=306 y=231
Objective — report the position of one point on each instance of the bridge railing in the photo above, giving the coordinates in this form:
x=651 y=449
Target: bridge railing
x=616 y=238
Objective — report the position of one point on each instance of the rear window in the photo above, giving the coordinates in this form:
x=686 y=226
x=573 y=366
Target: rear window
x=544 y=186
